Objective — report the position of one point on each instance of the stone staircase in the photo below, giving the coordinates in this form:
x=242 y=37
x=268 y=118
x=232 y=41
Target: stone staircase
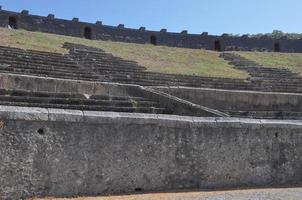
x=92 y=64
x=129 y=72
x=267 y=78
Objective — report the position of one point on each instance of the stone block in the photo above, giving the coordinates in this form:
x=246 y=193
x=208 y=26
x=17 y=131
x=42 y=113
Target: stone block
x=121 y=26
x=100 y=23
x=51 y=16
x=142 y=29
x=163 y=30
x=75 y=19
x=184 y=32
x=24 y=12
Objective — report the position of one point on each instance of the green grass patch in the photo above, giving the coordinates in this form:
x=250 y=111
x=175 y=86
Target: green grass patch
x=292 y=61
x=155 y=58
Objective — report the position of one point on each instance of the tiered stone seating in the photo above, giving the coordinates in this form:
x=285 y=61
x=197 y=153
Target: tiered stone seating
x=79 y=102
x=92 y=64
x=13 y=60
x=129 y=72
x=267 y=78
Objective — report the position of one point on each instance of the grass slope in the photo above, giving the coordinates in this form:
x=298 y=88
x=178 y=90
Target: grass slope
x=292 y=61
x=155 y=58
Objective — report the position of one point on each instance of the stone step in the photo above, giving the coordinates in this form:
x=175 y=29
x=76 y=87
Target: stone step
x=122 y=78
x=122 y=66
x=78 y=101
x=205 y=85
x=45 y=68
x=266 y=114
x=15 y=59
x=24 y=93
x=105 y=67
x=50 y=73
x=90 y=108
x=21 y=93
x=166 y=77
x=104 y=58
x=34 y=73
x=37 y=56
x=75 y=101
x=269 y=69
x=23 y=51
x=103 y=97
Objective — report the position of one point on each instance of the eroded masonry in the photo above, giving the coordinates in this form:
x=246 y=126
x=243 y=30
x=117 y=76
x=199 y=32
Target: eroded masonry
x=88 y=123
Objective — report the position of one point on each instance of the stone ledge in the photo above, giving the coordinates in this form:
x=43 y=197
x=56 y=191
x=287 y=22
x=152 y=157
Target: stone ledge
x=224 y=90
x=57 y=115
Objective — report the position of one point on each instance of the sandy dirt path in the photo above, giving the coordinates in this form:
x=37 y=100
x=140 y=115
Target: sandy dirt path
x=252 y=194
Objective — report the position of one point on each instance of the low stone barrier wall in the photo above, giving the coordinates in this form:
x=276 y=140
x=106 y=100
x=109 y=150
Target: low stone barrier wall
x=40 y=84
x=237 y=100
x=49 y=152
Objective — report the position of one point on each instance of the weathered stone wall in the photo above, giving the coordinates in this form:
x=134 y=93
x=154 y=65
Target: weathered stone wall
x=43 y=84
x=39 y=84
x=74 y=27
x=48 y=152
x=237 y=100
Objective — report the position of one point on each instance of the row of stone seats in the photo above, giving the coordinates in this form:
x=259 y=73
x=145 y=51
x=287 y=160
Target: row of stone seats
x=72 y=67
x=105 y=57
x=92 y=64
x=269 y=72
x=93 y=58
x=267 y=78
x=97 y=56
x=79 y=102
x=45 y=73
x=131 y=73
x=238 y=60
x=255 y=69
x=282 y=115
x=13 y=60
x=36 y=55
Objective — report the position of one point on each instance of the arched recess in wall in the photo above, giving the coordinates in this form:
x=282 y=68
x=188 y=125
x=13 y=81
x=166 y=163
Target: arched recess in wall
x=88 y=33
x=13 y=22
x=217 y=45
x=153 y=40
x=277 y=47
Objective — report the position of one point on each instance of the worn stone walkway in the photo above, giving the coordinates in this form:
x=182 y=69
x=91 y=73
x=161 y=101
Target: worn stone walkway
x=253 y=194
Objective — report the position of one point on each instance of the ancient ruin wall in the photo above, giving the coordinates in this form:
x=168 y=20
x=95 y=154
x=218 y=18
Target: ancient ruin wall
x=98 y=31
x=49 y=152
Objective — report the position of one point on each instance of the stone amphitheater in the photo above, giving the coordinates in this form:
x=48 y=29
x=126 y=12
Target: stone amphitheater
x=88 y=123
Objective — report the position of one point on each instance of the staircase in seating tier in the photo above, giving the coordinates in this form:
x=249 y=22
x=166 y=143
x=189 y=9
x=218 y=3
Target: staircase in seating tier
x=129 y=72
x=93 y=64
x=267 y=78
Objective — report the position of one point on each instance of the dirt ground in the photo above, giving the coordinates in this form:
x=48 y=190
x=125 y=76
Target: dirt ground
x=251 y=194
